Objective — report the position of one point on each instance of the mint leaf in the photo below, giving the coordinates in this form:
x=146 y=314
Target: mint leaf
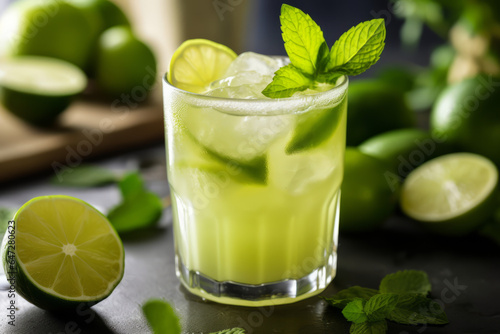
x=378 y=307
x=303 y=38
x=236 y=330
x=286 y=81
x=379 y=327
x=358 y=49
x=85 y=176
x=131 y=185
x=139 y=207
x=354 y=311
x=343 y=297
x=406 y=281
x=161 y=317
x=414 y=309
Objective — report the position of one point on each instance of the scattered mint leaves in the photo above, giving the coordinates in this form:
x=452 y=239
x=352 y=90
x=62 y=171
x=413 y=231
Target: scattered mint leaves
x=311 y=60
x=139 y=208
x=414 y=308
x=354 y=311
x=407 y=281
x=358 y=49
x=378 y=307
x=401 y=298
x=85 y=176
x=236 y=330
x=343 y=297
x=161 y=317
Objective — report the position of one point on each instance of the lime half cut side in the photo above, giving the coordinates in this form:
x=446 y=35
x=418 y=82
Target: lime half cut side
x=452 y=194
x=198 y=62
x=37 y=89
x=66 y=253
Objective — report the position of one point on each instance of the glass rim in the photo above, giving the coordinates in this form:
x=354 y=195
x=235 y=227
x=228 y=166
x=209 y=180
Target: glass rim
x=265 y=106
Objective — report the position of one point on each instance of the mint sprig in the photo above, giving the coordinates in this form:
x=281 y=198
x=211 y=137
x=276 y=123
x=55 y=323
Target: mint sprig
x=401 y=298
x=311 y=60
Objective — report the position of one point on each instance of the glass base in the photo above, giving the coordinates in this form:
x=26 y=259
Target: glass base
x=273 y=293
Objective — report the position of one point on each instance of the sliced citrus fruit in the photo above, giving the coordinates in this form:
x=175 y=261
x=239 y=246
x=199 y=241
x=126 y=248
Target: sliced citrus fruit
x=65 y=253
x=198 y=62
x=37 y=89
x=452 y=194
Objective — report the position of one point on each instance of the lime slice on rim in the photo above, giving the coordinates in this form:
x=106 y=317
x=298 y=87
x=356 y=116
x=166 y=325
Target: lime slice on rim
x=37 y=89
x=452 y=194
x=66 y=253
x=198 y=62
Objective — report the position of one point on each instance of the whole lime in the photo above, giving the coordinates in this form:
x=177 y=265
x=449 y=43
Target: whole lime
x=402 y=149
x=466 y=116
x=368 y=198
x=107 y=12
x=46 y=28
x=375 y=107
x=124 y=64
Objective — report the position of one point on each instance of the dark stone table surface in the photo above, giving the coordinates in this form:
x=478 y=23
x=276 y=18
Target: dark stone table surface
x=464 y=272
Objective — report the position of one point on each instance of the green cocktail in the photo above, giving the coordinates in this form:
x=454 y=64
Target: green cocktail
x=255 y=190
x=255 y=149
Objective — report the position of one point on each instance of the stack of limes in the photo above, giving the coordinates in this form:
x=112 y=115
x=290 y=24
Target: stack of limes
x=452 y=194
x=92 y=36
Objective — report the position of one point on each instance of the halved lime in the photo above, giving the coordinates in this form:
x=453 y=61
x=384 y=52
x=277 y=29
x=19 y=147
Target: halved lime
x=47 y=28
x=65 y=253
x=38 y=89
x=198 y=62
x=452 y=194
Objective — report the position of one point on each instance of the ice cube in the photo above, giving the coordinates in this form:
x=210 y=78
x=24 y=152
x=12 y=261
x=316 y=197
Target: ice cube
x=246 y=77
x=251 y=61
x=237 y=92
x=242 y=78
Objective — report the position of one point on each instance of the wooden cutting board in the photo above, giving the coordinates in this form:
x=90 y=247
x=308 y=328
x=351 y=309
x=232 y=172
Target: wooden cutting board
x=88 y=129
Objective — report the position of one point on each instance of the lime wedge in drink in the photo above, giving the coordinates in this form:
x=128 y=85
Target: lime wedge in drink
x=194 y=65
x=198 y=62
x=452 y=194
x=65 y=253
x=38 y=89
x=315 y=127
